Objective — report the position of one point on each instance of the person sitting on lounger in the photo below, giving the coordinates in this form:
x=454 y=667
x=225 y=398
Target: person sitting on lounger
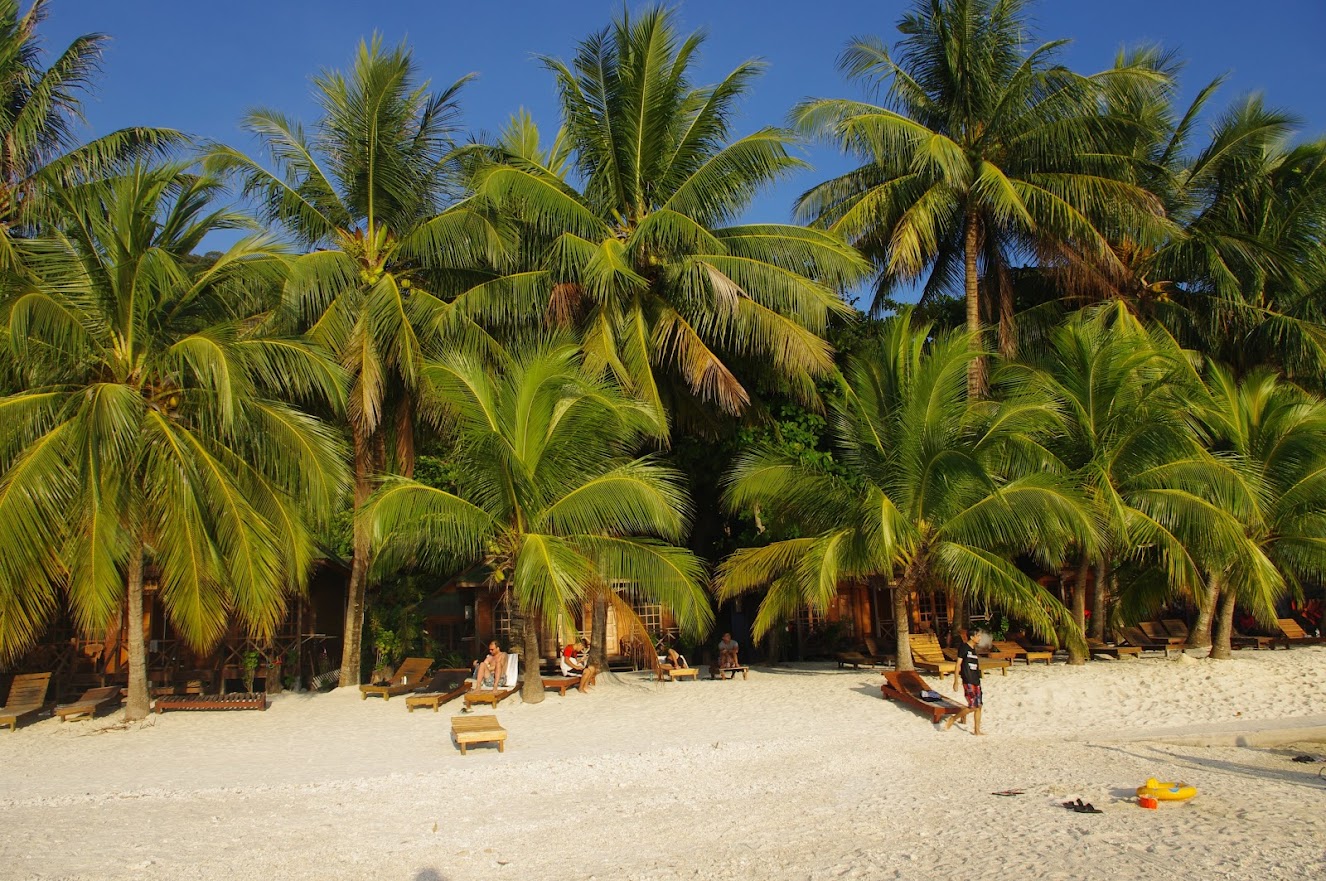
x=488 y=672
x=573 y=660
x=676 y=660
x=727 y=653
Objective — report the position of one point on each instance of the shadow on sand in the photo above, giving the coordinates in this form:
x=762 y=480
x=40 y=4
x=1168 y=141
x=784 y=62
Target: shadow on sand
x=1294 y=775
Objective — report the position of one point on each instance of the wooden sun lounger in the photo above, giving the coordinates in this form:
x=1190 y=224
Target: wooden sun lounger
x=491 y=698
x=1244 y=640
x=87 y=706
x=856 y=659
x=991 y=663
x=1156 y=632
x=1096 y=647
x=445 y=686
x=27 y=694
x=670 y=672
x=927 y=655
x=906 y=686
x=409 y=674
x=1176 y=628
x=561 y=683
x=874 y=654
x=469 y=730
x=716 y=672
x=1295 y=634
x=1139 y=638
x=1014 y=650
x=236 y=701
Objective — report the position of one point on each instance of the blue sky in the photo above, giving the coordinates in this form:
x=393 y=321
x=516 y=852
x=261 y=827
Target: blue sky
x=197 y=66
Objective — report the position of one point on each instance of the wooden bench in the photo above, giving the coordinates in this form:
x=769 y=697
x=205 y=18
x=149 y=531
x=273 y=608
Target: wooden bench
x=667 y=671
x=468 y=730
x=729 y=672
x=560 y=683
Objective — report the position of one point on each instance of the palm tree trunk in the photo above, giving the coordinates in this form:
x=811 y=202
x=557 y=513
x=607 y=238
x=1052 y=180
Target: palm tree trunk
x=1100 y=599
x=532 y=691
x=1224 y=628
x=1008 y=343
x=961 y=619
x=598 y=632
x=975 y=370
x=139 y=701
x=1075 y=655
x=1200 y=636
x=901 y=624
x=357 y=591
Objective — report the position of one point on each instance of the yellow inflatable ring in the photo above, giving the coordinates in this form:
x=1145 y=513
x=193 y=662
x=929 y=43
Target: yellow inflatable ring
x=1166 y=790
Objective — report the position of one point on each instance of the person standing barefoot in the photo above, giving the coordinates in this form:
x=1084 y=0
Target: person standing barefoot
x=969 y=670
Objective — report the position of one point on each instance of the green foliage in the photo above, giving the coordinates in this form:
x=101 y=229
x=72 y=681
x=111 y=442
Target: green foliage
x=151 y=420
x=628 y=223
x=944 y=490
x=546 y=490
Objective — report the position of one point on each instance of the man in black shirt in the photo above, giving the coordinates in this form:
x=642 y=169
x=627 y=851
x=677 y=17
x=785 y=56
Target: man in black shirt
x=969 y=669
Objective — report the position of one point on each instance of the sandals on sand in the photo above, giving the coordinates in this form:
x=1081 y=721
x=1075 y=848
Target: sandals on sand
x=1079 y=807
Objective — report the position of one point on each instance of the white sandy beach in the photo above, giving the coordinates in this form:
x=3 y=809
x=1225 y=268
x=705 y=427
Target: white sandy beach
x=799 y=773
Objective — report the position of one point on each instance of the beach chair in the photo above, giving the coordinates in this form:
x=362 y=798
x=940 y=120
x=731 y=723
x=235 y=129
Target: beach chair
x=445 y=686
x=409 y=674
x=1176 y=628
x=561 y=683
x=1000 y=664
x=907 y=686
x=1008 y=647
x=1156 y=632
x=856 y=659
x=1295 y=634
x=87 y=706
x=1252 y=641
x=27 y=694
x=1096 y=647
x=1142 y=640
x=502 y=690
x=874 y=654
x=928 y=655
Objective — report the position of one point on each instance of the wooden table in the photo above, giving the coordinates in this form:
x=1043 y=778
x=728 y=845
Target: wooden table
x=469 y=730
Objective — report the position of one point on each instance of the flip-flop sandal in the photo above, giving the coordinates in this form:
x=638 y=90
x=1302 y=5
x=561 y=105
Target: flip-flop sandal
x=1305 y=759
x=1009 y=792
x=1089 y=808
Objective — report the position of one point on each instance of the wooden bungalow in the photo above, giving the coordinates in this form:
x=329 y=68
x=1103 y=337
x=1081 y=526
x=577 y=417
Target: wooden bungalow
x=307 y=644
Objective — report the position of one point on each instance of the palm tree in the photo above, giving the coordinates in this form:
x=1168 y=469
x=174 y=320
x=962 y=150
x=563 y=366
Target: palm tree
x=984 y=150
x=1131 y=450
x=150 y=432
x=371 y=191
x=942 y=491
x=41 y=105
x=549 y=494
x=1279 y=433
x=628 y=227
x=1235 y=271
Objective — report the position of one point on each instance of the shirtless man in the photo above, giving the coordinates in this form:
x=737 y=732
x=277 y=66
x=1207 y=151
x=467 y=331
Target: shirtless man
x=488 y=673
